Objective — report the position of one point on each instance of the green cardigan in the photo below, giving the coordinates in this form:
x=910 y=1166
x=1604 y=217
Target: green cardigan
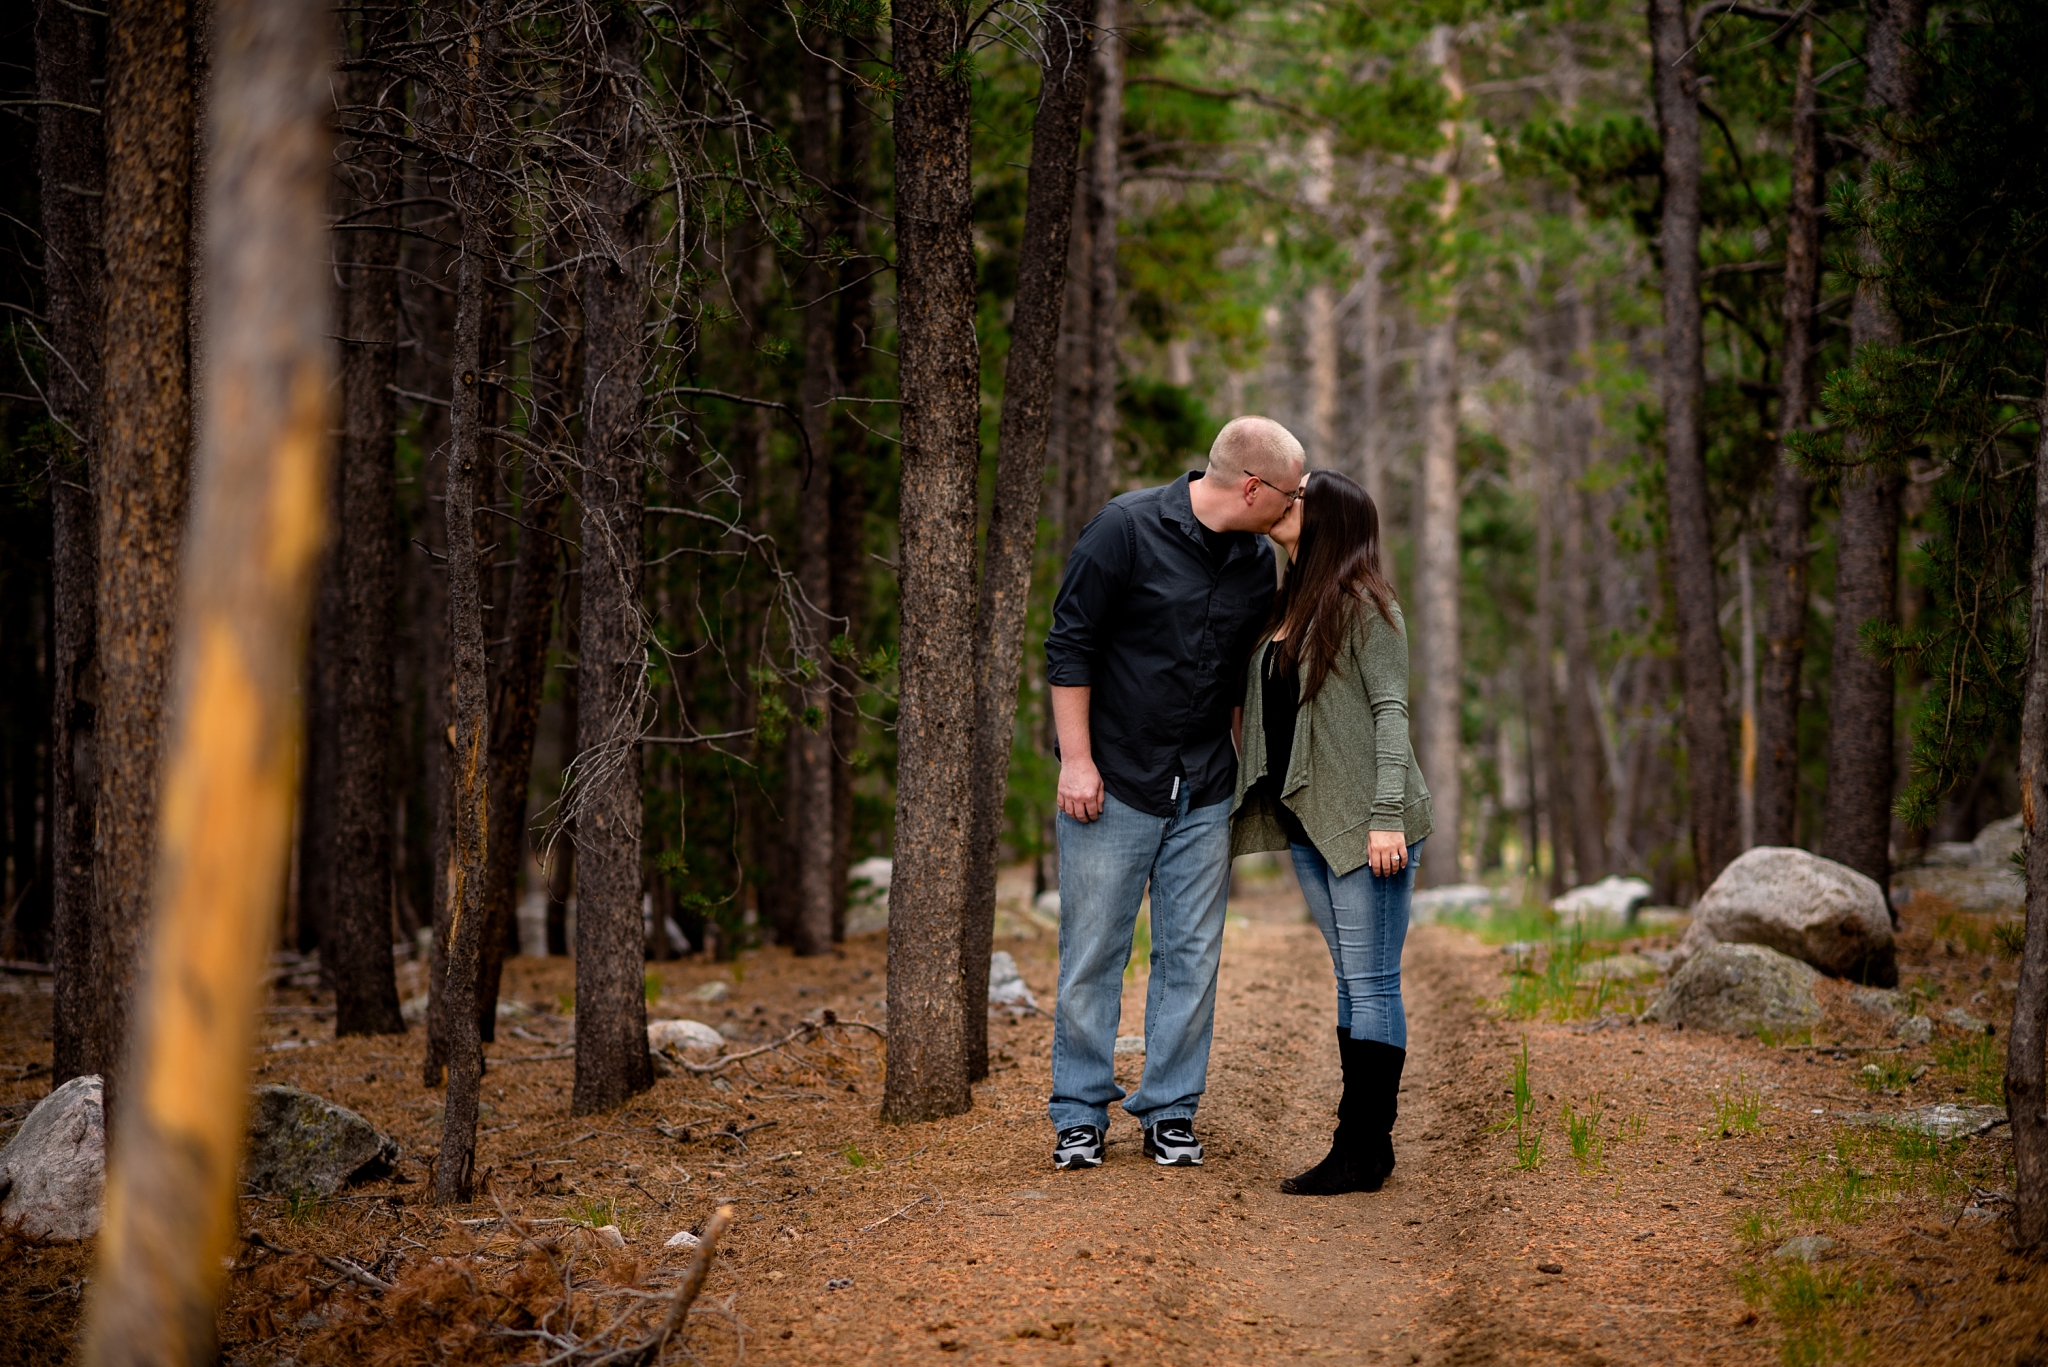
x=1353 y=769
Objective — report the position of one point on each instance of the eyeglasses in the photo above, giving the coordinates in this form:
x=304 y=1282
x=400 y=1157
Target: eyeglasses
x=1292 y=497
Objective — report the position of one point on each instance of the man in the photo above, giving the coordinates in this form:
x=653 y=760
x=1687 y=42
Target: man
x=1163 y=598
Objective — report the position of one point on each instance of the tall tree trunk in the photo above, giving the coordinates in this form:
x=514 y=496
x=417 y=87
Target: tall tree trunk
x=1685 y=467
x=536 y=582
x=1436 y=594
x=1857 y=822
x=2026 y=1047
x=1028 y=378
x=1371 y=361
x=1105 y=185
x=612 y=1062
x=474 y=137
x=1777 y=765
x=140 y=477
x=850 y=481
x=72 y=157
x=358 y=952
x=171 y=1213
x=1582 y=718
x=1550 y=741
x=313 y=871
x=809 y=821
x=1320 y=325
x=1072 y=398
x=938 y=364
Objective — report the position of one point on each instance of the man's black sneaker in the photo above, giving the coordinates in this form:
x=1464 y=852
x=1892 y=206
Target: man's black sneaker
x=1079 y=1146
x=1172 y=1144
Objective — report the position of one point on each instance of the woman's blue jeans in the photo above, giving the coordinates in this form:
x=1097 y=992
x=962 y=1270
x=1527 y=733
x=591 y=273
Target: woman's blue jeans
x=1364 y=920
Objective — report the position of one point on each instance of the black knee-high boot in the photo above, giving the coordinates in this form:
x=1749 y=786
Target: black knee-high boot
x=1343 y=1169
x=1378 y=1068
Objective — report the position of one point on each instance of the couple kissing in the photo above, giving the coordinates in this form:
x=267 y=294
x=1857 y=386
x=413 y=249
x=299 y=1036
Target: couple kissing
x=1201 y=714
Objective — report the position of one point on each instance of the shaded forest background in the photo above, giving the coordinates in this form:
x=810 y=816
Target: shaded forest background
x=1770 y=591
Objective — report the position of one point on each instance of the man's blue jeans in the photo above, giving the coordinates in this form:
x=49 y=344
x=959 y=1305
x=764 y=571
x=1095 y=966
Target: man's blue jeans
x=1104 y=866
x=1364 y=919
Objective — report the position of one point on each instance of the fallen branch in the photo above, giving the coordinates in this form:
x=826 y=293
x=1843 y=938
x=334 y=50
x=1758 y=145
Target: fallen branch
x=932 y=1195
x=588 y=1134
x=341 y=1266
x=803 y=1031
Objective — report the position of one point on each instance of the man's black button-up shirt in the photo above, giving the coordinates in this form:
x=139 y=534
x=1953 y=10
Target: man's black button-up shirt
x=1160 y=629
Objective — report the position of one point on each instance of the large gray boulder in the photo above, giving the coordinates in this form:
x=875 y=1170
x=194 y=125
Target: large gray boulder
x=1820 y=912
x=1740 y=990
x=54 y=1171
x=1976 y=875
x=305 y=1145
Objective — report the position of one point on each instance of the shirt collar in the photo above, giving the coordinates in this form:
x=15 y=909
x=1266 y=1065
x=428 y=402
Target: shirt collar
x=1179 y=507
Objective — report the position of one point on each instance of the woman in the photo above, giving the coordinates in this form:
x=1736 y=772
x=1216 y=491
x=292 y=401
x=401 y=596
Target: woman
x=1326 y=771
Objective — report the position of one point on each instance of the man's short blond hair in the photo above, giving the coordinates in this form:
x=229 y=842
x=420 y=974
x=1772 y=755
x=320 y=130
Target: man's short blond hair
x=1252 y=445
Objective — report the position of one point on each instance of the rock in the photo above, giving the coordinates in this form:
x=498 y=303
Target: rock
x=54 y=1171
x=1976 y=875
x=730 y=1030
x=1663 y=918
x=1129 y=1044
x=1913 y=1030
x=414 y=1008
x=682 y=1238
x=1878 y=1001
x=1617 y=968
x=1663 y=960
x=1431 y=903
x=1740 y=989
x=1006 y=986
x=1813 y=909
x=1047 y=903
x=610 y=1234
x=1942 y=1121
x=1808 y=1248
x=1613 y=899
x=867 y=909
x=302 y=1144
x=684 y=1036
x=711 y=993
x=1963 y=1020
x=1552 y=1269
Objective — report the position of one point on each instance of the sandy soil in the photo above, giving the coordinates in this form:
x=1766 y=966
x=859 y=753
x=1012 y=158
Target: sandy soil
x=859 y=1241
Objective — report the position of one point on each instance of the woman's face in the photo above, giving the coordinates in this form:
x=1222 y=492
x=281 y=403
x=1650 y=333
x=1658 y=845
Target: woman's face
x=1287 y=531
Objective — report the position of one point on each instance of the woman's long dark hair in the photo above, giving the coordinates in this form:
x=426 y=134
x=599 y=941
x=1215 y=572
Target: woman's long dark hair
x=1336 y=569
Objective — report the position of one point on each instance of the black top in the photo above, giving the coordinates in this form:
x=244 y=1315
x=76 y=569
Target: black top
x=1280 y=701
x=1160 y=628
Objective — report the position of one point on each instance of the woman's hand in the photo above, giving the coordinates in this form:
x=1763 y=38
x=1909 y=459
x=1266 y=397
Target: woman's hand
x=1386 y=852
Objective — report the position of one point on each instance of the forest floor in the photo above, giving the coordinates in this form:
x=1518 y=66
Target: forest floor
x=1653 y=1237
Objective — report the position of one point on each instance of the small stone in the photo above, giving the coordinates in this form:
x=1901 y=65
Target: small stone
x=1913 y=1030
x=53 y=1171
x=1963 y=1020
x=685 y=1036
x=609 y=1234
x=711 y=993
x=1807 y=1248
x=1553 y=1269
x=1047 y=903
x=682 y=1238
x=839 y=1284
x=1878 y=1001
x=1130 y=1044
x=1006 y=986
x=1740 y=989
x=302 y=1144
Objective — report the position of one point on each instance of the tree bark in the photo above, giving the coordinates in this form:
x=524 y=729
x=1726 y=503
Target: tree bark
x=1436 y=594
x=612 y=1062
x=140 y=478
x=536 y=582
x=1857 y=820
x=938 y=364
x=1371 y=362
x=1777 y=725
x=1685 y=469
x=473 y=140
x=1550 y=741
x=1105 y=187
x=2026 y=1048
x=1582 y=717
x=1028 y=378
x=358 y=952
x=72 y=156
x=171 y=1213
x=810 y=822
x=1320 y=325
x=1072 y=399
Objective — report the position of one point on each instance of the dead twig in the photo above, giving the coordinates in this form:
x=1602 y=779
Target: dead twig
x=931 y=1195
x=341 y=1266
x=587 y=1134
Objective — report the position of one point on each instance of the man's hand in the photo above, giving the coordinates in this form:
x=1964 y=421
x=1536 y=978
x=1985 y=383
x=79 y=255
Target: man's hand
x=1080 y=794
x=1385 y=851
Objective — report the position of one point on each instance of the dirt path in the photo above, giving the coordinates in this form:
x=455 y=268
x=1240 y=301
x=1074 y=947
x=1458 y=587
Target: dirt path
x=956 y=1241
